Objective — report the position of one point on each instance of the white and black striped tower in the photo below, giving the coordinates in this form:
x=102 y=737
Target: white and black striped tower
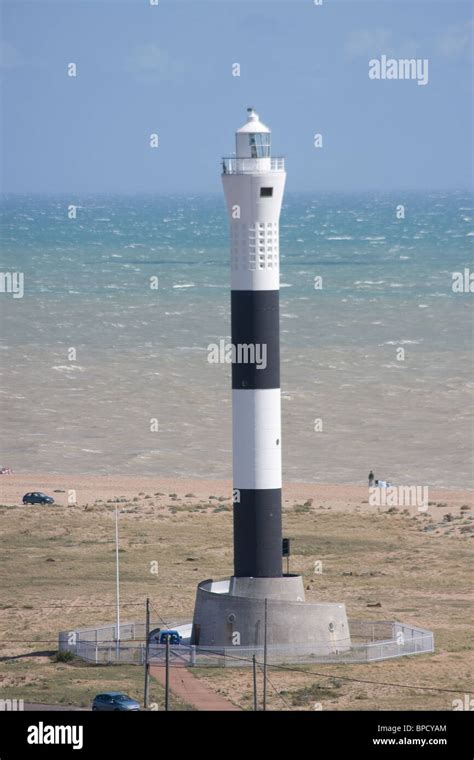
x=253 y=186
x=259 y=604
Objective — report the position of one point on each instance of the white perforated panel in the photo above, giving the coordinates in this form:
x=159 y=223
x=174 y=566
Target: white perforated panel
x=254 y=249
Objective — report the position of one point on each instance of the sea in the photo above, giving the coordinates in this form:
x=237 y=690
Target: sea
x=104 y=361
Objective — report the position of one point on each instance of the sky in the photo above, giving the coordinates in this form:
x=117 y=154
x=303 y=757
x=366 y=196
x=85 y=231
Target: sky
x=167 y=69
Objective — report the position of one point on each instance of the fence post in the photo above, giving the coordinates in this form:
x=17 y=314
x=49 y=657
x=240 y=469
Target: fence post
x=147 y=651
x=265 y=656
x=254 y=664
x=167 y=675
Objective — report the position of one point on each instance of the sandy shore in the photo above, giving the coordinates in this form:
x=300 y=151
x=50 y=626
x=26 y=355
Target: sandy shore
x=91 y=488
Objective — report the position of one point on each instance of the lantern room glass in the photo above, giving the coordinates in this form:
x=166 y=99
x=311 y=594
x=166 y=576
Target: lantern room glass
x=260 y=144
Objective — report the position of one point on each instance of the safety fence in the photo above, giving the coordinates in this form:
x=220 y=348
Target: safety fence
x=371 y=641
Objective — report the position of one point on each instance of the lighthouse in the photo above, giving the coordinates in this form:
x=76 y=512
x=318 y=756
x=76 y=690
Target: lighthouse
x=259 y=603
x=253 y=183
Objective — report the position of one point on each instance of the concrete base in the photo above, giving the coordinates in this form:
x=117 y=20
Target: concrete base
x=231 y=612
x=288 y=588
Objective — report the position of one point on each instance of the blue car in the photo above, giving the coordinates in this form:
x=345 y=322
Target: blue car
x=36 y=497
x=173 y=636
x=113 y=701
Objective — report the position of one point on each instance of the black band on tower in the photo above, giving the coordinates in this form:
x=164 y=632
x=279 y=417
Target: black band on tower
x=255 y=317
x=257 y=533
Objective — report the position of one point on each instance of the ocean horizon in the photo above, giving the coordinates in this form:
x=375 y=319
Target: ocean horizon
x=376 y=360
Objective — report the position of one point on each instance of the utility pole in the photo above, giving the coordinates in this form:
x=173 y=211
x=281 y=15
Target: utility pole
x=167 y=679
x=265 y=658
x=254 y=664
x=117 y=579
x=147 y=651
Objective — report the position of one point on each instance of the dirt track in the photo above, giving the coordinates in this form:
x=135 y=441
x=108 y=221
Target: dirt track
x=191 y=690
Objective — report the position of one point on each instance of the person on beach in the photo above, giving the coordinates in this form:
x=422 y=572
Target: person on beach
x=371 y=479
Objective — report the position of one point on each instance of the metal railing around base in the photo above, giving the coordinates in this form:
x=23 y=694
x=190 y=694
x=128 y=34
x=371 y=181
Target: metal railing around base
x=371 y=641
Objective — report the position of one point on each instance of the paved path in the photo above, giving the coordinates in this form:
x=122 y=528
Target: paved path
x=190 y=689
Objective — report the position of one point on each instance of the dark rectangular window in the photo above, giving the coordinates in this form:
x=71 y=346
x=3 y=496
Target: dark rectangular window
x=266 y=192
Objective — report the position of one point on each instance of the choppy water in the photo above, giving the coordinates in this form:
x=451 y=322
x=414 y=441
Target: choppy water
x=142 y=353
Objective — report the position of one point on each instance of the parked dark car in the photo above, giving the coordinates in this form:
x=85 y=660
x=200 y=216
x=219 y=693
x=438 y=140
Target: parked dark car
x=36 y=497
x=113 y=701
x=173 y=636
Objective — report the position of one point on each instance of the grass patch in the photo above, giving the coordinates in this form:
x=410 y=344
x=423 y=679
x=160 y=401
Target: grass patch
x=364 y=557
x=314 y=692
